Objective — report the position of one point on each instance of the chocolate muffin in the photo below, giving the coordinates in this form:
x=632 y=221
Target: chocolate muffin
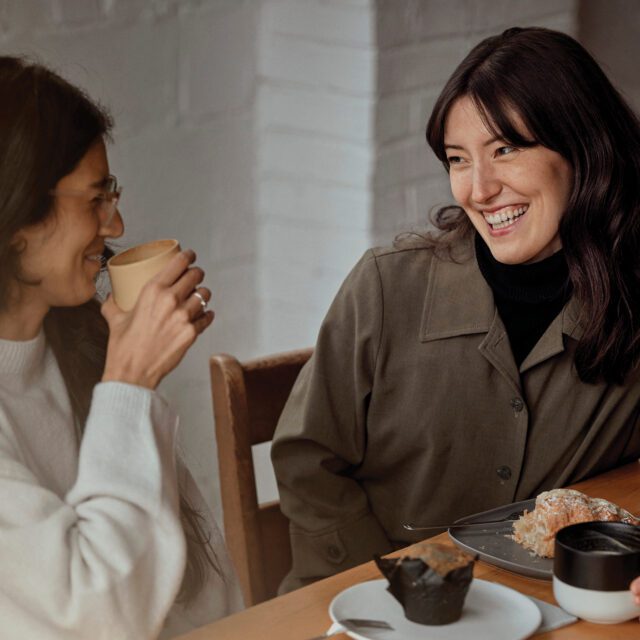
x=432 y=584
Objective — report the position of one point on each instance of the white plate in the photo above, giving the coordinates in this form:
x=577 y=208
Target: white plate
x=490 y=611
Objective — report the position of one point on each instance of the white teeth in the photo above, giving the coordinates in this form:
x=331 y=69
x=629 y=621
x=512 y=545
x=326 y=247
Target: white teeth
x=502 y=219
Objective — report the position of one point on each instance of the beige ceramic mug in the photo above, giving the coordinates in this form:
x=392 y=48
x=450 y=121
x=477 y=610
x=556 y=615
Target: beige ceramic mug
x=130 y=270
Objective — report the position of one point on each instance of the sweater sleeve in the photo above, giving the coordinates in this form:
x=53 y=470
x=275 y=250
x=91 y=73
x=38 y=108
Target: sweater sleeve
x=107 y=560
x=321 y=438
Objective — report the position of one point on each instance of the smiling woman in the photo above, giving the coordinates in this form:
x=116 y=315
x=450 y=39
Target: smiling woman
x=573 y=143
x=62 y=256
x=497 y=356
x=102 y=529
x=514 y=197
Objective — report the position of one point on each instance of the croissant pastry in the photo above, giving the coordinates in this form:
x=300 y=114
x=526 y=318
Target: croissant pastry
x=558 y=508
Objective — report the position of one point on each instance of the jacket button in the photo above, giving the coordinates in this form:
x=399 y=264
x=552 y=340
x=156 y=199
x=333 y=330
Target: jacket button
x=504 y=472
x=333 y=552
x=517 y=405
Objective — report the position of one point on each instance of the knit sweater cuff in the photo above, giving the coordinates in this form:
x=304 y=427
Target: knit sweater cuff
x=127 y=400
x=127 y=451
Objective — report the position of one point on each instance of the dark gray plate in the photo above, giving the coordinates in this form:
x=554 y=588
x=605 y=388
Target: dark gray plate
x=493 y=544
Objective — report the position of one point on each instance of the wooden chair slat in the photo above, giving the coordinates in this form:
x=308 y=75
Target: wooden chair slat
x=248 y=399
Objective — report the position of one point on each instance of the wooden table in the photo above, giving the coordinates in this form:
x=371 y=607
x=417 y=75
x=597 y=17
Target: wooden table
x=304 y=613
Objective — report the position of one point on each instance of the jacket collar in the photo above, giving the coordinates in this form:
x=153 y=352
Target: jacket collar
x=458 y=301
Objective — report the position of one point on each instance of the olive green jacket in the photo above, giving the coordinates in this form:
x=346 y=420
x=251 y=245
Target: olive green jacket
x=412 y=409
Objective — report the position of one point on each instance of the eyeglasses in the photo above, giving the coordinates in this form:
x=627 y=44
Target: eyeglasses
x=104 y=202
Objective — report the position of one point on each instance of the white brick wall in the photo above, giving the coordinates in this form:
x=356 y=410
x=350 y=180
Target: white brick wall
x=293 y=60
x=315 y=124
x=76 y=12
x=286 y=109
x=297 y=201
x=609 y=29
x=496 y=15
x=401 y=22
x=419 y=64
x=312 y=156
x=343 y=23
x=213 y=40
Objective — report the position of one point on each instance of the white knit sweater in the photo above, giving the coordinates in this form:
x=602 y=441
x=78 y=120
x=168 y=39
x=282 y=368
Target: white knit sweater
x=90 y=540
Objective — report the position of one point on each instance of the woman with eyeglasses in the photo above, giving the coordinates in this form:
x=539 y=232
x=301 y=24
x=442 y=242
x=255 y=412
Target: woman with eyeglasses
x=497 y=356
x=103 y=533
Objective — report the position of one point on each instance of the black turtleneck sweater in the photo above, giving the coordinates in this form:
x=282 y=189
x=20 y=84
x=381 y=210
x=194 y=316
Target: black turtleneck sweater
x=528 y=296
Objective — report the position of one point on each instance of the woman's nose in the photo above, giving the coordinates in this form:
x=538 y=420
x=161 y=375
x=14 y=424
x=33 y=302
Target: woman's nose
x=486 y=184
x=114 y=227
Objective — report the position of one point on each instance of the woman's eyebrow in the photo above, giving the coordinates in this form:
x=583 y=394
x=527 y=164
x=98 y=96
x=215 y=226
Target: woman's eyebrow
x=99 y=183
x=484 y=144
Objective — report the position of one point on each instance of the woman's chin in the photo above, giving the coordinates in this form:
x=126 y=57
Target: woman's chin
x=80 y=295
x=510 y=252
x=504 y=252
x=508 y=257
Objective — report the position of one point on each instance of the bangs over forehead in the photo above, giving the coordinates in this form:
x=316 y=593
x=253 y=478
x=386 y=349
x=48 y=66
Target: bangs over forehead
x=502 y=119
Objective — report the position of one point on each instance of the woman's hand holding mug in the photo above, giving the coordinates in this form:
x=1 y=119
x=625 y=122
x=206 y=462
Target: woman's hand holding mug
x=150 y=340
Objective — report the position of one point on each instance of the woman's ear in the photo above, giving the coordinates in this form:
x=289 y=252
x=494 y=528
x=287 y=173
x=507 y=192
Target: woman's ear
x=19 y=240
x=32 y=234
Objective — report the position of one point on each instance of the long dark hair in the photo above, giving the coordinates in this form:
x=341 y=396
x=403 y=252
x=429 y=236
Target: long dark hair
x=46 y=126
x=567 y=104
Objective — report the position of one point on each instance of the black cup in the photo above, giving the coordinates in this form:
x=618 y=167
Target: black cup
x=601 y=556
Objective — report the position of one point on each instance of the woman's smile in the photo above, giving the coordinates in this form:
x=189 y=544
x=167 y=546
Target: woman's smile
x=95 y=259
x=504 y=217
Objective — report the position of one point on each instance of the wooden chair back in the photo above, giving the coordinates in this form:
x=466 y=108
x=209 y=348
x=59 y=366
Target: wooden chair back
x=248 y=399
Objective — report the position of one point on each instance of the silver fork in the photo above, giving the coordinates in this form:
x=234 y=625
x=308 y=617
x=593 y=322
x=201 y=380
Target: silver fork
x=355 y=624
x=512 y=517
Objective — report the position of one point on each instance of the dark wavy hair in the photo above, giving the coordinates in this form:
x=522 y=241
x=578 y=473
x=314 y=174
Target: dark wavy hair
x=567 y=104
x=47 y=125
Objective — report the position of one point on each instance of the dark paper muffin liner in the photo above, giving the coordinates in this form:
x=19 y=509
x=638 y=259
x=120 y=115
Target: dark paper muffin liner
x=426 y=596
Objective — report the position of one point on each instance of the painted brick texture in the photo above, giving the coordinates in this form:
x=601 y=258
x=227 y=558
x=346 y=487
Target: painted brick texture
x=315 y=125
